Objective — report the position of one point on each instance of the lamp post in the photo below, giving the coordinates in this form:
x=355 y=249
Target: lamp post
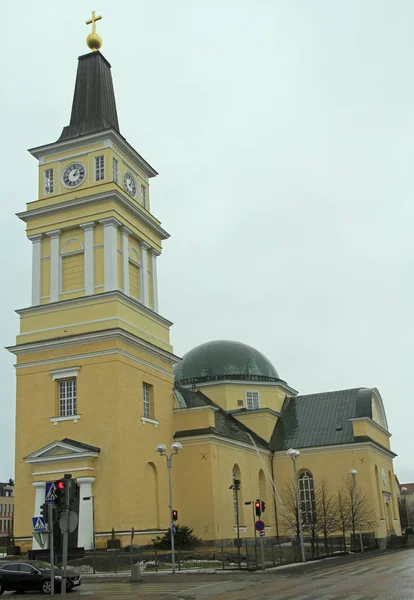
x=404 y=491
x=294 y=455
x=162 y=450
x=354 y=473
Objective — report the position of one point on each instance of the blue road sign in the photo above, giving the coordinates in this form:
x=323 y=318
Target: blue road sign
x=262 y=533
x=39 y=524
x=173 y=529
x=259 y=525
x=50 y=494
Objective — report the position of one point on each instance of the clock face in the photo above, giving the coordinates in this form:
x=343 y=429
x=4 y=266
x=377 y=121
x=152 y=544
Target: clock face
x=74 y=175
x=130 y=185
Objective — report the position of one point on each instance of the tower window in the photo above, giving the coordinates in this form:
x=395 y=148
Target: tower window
x=147 y=400
x=99 y=168
x=144 y=196
x=115 y=170
x=48 y=181
x=67 y=397
x=252 y=400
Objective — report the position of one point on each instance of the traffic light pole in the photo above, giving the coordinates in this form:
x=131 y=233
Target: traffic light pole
x=169 y=467
x=66 y=533
x=260 y=538
x=51 y=514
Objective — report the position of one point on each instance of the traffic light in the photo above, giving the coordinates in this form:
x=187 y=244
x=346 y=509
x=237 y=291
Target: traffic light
x=263 y=506
x=175 y=515
x=258 y=508
x=44 y=512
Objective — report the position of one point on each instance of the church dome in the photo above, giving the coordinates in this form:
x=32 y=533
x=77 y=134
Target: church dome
x=223 y=359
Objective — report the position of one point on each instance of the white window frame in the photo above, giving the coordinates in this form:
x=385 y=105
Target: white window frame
x=59 y=375
x=115 y=170
x=67 y=400
x=48 y=181
x=99 y=168
x=252 y=400
x=143 y=195
x=146 y=400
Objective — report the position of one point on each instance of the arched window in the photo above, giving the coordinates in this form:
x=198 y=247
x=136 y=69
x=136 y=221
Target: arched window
x=307 y=497
x=152 y=520
x=237 y=495
x=72 y=266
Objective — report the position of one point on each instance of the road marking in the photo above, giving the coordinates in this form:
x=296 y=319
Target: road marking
x=328 y=597
x=353 y=598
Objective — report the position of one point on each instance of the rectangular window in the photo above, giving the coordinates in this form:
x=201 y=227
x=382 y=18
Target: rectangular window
x=115 y=170
x=67 y=397
x=48 y=181
x=252 y=400
x=144 y=196
x=99 y=168
x=146 y=398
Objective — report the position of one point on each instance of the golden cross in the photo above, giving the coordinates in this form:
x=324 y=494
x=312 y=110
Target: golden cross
x=93 y=21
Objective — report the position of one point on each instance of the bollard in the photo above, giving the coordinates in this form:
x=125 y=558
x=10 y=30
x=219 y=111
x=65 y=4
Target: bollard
x=135 y=573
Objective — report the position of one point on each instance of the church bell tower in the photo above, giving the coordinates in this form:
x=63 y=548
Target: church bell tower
x=94 y=360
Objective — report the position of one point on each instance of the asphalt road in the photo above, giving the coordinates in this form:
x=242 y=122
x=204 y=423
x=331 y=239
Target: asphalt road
x=385 y=577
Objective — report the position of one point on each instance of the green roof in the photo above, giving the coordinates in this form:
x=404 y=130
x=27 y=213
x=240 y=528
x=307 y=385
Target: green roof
x=225 y=424
x=320 y=419
x=222 y=359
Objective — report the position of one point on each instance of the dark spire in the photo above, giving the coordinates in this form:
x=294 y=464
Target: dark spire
x=94 y=107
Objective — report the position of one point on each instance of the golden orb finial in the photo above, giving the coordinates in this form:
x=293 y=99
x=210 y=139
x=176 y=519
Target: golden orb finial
x=94 y=40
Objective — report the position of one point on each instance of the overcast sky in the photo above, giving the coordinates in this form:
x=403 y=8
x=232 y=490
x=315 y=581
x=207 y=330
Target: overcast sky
x=283 y=132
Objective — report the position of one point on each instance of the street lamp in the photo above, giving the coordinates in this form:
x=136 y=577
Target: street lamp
x=162 y=450
x=404 y=491
x=353 y=473
x=294 y=455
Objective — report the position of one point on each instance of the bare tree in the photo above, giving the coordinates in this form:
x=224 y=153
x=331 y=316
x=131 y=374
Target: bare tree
x=366 y=512
x=289 y=508
x=344 y=521
x=328 y=521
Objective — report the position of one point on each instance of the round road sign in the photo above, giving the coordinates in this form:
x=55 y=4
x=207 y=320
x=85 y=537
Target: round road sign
x=259 y=525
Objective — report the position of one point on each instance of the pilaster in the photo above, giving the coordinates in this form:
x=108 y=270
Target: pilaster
x=154 y=255
x=125 y=259
x=144 y=272
x=40 y=487
x=110 y=253
x=36 y=267
x=88 y=228
x=86 y=513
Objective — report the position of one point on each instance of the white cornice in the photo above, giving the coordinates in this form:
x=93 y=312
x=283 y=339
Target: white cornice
x=63 y=305
x=86 y=338
x=372 y=422
x=186 y=410
x=243 y=383
x=114 y=194
x=61 y=457
x=238 y=412
x=87 y=140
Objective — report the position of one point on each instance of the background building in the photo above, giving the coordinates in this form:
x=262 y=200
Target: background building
x=6 y=511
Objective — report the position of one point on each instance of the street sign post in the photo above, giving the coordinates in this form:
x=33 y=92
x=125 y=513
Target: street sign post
x=50 y=492
x=39 y=524
x=51 y=516
x=173 y=529
x=259 y=525
x=262 y=533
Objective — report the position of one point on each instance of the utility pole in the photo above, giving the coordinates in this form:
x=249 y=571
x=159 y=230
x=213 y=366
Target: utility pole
x=261 y=538
x=235 y=486
x=51 y=515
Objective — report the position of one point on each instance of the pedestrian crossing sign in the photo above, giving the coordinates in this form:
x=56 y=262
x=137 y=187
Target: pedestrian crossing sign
x=50 y=495
x=38 y=524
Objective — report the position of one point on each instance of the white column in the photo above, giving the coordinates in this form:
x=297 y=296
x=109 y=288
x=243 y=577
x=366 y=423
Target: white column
x=154 y=255
x=40 y=487
x=110 y=253
x=144 y=268
x=89 y=258
x=36 y=267
x=86 y=516
x=54 y=264
x=125 y=259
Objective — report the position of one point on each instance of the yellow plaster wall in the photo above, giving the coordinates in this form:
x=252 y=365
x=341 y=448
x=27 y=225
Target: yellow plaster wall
x=334 y=463
x=261 y=423
x=227 y=395
x=199 y=418
x=367 y=427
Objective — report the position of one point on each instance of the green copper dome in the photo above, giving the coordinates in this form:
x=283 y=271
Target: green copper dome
x=222 y=359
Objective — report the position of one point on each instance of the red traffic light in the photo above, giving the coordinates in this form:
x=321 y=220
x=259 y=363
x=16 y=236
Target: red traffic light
x=257 y=504
x=60 y=485
x=175 y=515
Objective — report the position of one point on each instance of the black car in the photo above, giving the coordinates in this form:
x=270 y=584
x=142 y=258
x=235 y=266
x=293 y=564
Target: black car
x=34 y=575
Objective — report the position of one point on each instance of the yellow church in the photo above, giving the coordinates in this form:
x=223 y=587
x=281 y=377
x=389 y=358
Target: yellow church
x=99 y=386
